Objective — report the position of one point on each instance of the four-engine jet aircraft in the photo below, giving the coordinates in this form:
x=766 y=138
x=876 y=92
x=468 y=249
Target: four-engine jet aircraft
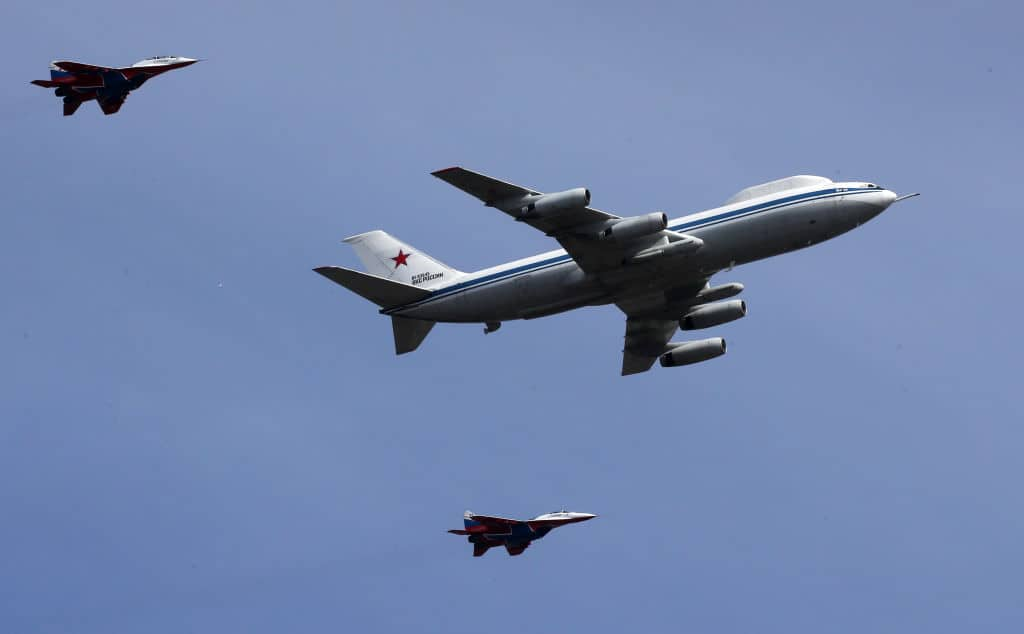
x=515 y=535
x=654 y=269
x=77 y=82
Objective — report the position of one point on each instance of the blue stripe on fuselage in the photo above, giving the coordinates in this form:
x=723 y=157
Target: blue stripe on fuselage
x=684 y=226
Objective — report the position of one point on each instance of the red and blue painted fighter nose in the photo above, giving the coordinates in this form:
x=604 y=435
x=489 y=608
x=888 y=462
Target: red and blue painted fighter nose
x=78 y=83
x=486 y=532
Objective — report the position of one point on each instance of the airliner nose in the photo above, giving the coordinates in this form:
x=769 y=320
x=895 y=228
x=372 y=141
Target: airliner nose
x=881 y=199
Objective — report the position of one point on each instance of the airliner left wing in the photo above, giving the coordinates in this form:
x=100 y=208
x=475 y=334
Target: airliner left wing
x=644 y=342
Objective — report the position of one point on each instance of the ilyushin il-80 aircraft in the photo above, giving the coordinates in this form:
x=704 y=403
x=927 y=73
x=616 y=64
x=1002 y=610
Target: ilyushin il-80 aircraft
x=77 y=82
x=486 y=532
x=656 y=270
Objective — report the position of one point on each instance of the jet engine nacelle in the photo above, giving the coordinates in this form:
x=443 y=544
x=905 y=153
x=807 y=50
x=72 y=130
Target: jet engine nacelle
x=553 y=204
x=636 y=227
x=708 y=315
x=689 y=352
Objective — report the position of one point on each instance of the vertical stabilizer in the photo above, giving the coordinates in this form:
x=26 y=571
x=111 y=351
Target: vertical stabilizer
x=56 y=72
x=384 y=255
x=409 y=333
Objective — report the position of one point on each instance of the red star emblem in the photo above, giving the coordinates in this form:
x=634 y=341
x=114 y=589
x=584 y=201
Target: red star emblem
x=401 y=258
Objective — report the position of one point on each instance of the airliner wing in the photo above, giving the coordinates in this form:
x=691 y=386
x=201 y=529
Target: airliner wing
x=652 y=321
x=645 y=341
x=492 y=192
x=576 y=229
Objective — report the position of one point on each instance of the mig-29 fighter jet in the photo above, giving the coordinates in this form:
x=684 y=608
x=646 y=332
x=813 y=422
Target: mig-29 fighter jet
x=77 y=82
x=515 y=535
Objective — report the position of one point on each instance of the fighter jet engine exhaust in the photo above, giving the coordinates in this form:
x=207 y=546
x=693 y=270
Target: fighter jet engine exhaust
x=553 y=204
x=688 y=352
x=636 y=227
x=708 y=315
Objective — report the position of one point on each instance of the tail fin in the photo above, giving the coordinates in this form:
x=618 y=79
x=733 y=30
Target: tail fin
x=468 y=521
x=56 y=72
x=385 y=256
x=479 y=549
x=409 y=333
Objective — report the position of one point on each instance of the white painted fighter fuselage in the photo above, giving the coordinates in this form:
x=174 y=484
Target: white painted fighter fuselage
x=652 y=290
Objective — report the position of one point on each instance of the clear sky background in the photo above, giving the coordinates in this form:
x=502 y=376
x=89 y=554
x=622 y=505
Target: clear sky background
x=200 y=434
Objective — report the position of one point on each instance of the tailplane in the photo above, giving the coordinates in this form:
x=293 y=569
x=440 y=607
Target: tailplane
x=385 y=256
x=409 y=333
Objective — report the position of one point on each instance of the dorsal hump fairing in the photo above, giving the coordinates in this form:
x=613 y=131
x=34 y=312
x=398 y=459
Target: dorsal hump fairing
x=774 y=187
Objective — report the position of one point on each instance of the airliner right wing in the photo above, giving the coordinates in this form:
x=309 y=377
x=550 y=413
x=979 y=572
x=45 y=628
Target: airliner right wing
x=492 y=192
x=577 y=226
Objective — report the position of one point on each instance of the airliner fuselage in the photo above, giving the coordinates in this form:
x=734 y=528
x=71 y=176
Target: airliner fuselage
x=734 y=234
x=655 y=270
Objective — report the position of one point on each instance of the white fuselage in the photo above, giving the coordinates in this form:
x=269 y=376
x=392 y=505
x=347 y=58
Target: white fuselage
x=740 y=232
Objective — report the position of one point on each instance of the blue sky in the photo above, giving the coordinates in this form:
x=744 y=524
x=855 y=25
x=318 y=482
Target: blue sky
x=197 y=433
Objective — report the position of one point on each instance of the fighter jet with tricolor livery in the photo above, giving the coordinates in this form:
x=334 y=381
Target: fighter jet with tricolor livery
x=78 y=83
x=485 y=532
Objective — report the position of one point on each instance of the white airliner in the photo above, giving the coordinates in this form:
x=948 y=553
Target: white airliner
x=654 y=269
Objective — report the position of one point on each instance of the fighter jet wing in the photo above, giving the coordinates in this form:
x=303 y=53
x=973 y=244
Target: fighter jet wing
x=501 y=522
x=110 y=105
x=78 y=67
x=576 y=228
x=516 y=549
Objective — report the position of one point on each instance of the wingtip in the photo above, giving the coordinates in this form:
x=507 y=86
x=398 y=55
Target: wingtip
x=445 y=170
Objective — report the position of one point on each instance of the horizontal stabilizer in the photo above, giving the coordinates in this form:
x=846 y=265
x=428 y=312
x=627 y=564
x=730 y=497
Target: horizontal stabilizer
x=384 y=293
x=45 y=83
